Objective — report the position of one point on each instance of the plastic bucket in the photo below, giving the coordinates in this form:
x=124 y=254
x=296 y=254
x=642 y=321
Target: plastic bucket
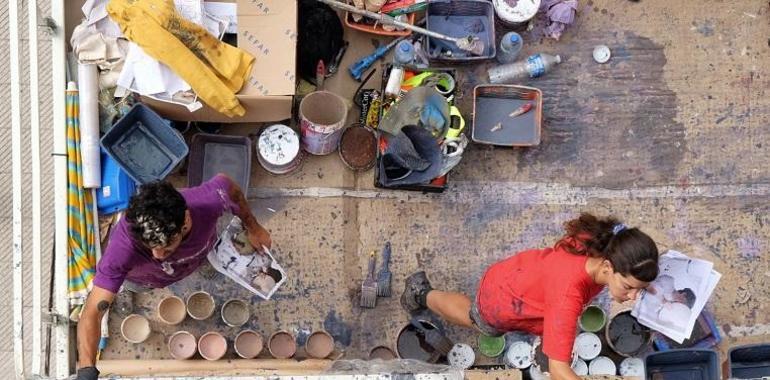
x=322 y=115
x=592 y=319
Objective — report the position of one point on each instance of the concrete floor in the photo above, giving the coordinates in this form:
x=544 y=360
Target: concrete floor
x=671 y=135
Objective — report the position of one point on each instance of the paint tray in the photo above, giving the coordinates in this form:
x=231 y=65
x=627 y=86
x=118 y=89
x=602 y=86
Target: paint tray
x=688 y=364
x=212 y=154
x=460 y=18
x=492 y=104
x=749 y=361
x=144 y=145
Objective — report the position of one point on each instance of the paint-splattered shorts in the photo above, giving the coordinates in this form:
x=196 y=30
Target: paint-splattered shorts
x=482 y=325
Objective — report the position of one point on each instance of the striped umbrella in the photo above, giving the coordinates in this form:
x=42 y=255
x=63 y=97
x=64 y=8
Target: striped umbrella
x=81 y=239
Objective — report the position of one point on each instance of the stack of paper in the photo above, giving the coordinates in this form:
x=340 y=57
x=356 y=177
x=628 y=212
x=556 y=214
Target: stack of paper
x=681 y=291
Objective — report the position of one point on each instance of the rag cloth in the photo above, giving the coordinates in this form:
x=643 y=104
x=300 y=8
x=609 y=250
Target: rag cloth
x=214 y=70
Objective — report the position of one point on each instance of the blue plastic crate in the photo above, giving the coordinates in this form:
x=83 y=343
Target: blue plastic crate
x=117 y=187
x=145 y=145
x=687 y=364
x=749 y=361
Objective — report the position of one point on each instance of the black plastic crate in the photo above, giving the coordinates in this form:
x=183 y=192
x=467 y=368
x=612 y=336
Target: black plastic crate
x=749 y=361
x=685 y=364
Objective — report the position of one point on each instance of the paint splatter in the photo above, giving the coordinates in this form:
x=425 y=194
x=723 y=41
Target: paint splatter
x=750 y=247
x=341 y=331
x=706 y=28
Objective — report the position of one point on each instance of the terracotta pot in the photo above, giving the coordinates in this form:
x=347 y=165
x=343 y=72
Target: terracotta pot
x=135 y=328
x=182 y=345
x=319 y=345
x=200 y=305
x=172 y=310
x=248 y=344
x=212 y=345
x=282 y=345
x=235 y=313
x=382 y=352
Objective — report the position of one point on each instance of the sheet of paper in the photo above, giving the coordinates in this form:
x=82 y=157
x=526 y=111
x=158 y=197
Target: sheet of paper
x=224 y=11
x=190 y=9
x=682 y=290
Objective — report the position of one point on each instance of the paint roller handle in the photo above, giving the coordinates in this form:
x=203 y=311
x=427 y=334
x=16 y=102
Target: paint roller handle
x=386 y=257
x=372 y=263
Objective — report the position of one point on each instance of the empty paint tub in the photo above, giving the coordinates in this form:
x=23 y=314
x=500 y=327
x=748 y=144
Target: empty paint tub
x=235 y=313
x=602 y=365
x=411 y=344
x=248 y=344
x=182 y=345
x=282 y=345
x=322 y=116
x=382 y=353
x=172 y=310
x=135 y=328
x=686 y=364
x=626 y=336
x=212 y=345
x=460 y=19
x=319 y=345
x=200 y=305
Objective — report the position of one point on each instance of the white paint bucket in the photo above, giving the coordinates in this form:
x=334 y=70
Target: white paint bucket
x=322 y=116
x=588 y=346
x=461 y=356
x=278 y=149
x=602 y=365
x=519 y=355
x=514 y=12
x=580 y=367
x=632 y=367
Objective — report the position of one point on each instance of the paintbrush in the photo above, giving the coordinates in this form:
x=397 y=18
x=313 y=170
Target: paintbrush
x=434 y=338
x=384 y=276
x=369 y=286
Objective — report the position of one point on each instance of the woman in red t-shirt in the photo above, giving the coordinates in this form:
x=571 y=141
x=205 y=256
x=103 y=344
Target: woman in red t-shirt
x=543 y=291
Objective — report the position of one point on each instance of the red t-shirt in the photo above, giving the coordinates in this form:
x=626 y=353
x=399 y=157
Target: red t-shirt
x=540 y=291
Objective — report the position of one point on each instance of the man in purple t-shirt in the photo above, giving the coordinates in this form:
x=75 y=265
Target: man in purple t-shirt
x=165 y=236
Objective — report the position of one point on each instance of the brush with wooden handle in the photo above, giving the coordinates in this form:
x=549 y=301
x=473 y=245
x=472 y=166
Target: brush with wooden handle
x=369 y=286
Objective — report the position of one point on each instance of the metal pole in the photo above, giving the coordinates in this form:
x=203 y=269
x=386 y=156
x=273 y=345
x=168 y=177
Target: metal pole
x=34 y=120
x=18 y=296
x=60 y=295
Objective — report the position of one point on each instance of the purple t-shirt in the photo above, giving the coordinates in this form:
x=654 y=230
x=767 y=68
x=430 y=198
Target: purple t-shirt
x=127 y=259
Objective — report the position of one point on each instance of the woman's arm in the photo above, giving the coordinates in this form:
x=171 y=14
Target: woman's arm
x=561 y=370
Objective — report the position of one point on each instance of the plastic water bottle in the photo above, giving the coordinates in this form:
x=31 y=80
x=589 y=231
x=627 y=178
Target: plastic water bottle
x=404 y=53
x=534 y=66
x=510 y=46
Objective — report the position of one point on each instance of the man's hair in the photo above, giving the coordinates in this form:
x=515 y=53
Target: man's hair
x=156 y=214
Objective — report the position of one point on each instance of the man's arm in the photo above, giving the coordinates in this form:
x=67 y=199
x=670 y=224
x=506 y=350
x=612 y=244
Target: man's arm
x=258 y=235
x=89 y=326
x=561 y=370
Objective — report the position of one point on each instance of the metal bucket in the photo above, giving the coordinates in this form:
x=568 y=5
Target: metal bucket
x=322 y=115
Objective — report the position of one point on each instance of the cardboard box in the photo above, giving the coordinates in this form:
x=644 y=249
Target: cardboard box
x=267 y=29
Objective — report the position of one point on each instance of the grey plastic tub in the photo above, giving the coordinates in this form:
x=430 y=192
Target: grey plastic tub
x=144 y=145
x=212 y=154
x=685 y=364
x=461 y=18
x=749 y=361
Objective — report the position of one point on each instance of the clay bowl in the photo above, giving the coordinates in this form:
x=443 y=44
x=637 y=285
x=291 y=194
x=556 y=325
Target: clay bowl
x=319 y=345
x=212 y=345
x=182 y=345
x=282 y=345
x=382 y=352
x=248 y=344
x=172 y=310
x=200 y=305
x=235 y=313
x=135 y=328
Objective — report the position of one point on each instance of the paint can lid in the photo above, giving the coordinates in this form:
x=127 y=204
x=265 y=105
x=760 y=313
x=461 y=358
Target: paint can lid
x=588 y=346
x=278 y=144
x=519 y=355
x=602 y=54
x=461 y=356
x=580 y=367
x=632 y=367
x=602 y=365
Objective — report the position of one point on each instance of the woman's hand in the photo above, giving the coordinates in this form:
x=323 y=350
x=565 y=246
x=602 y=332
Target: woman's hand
x=561 y=370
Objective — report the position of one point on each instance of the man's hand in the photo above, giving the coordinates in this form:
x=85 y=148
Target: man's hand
x=259 y=237
x=87 y=373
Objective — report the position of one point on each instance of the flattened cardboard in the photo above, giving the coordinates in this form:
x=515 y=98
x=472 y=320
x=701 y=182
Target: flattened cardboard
x=258 y=109
x=268 y=30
